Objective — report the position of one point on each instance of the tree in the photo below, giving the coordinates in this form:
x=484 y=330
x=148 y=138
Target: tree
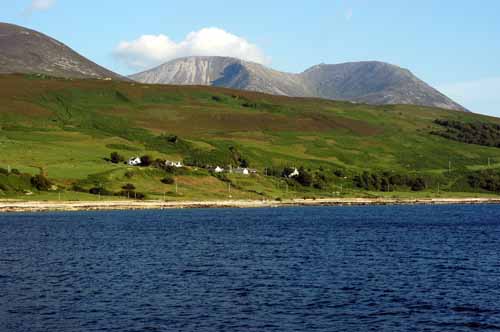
x=418 y=184
x=168 y=180
x=146 y=160
x=304 y=178
x=128 y=186
x=244 y=163
x=40 y=182
x=116 y=158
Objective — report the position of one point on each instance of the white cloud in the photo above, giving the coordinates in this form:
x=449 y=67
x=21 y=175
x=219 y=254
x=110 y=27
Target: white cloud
x=152 y=50
x=38 y=5
x=480 y=96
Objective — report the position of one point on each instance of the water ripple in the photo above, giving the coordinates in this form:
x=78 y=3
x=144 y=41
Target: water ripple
x=386 y=268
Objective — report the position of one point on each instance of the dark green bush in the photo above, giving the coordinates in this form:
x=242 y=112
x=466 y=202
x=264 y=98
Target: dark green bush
x=128 y=186
x=146 y=161
x=131 y=194
x=40 y=182
x=116 y=158
x=304 y=178
x=168 y=180
x=100 y=191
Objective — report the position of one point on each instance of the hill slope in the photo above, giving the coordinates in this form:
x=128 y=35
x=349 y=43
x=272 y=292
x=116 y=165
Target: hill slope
x=68 y=128
x=27 y=51
x=373 y=82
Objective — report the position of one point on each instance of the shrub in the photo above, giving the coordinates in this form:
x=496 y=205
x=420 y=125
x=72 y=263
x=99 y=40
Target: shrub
x=174 y=139
x=418 y=184
x=128 y=186
x=339 y=173
x=116 y=158
x=40 y=182
x=168 y=180
x=249 y=105
x=15 y=171
x=100 y=191
x=488 y=180
x=146 y=161
x=304 y=177
x=244 y=163
x=129 y=174
x=319 y=185
x=131 y=194
x=78 y=188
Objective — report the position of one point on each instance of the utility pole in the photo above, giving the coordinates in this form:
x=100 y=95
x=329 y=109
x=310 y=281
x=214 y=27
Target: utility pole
x=229 y=189
x=176 y=186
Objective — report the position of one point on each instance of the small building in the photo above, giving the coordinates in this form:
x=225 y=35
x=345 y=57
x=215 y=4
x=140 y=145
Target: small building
x=241 y=170
x=134 y=161
x=293 y=174
x=218 y=169
x=176 y=164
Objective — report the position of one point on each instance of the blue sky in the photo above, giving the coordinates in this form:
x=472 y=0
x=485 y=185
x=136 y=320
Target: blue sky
x=453 y=45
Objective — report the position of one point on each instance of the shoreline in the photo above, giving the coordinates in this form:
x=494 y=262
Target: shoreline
x=46 y=206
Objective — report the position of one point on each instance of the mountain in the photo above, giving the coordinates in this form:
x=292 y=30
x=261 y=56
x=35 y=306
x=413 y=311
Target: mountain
x=27 y=51
x=369 y=82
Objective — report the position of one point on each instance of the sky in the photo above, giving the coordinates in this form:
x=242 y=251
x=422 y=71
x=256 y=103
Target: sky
x=454 y=45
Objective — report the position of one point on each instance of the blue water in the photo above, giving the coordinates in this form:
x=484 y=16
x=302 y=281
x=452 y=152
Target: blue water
x=405 y=268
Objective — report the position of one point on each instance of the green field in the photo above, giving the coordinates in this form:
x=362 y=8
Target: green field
x=66 y=129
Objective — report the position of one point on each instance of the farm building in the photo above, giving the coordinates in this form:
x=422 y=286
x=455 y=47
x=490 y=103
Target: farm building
x=293 y=174
x=176 y=164
x=241 y=170
x=134 y=161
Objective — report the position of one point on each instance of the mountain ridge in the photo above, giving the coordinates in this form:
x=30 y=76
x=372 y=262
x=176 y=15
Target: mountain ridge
x=27 y=51
x=372 y=82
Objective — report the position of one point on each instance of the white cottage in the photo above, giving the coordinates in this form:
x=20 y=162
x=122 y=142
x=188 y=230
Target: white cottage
x=176 y=164
x=218 y=169
x=294 y=173
x=134 y=161
x=241 y=170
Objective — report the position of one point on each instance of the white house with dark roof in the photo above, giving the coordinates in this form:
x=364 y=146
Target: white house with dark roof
x=134 y=161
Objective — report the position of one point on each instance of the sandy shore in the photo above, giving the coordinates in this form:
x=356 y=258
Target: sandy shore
x=39 y=206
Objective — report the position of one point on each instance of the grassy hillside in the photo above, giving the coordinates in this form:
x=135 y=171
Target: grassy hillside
x=66 y=129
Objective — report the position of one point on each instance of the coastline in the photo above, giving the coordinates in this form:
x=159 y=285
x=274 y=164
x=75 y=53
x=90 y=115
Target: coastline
x=45 y=206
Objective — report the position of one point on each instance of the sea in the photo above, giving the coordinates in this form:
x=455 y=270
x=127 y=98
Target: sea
x=370 y=268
